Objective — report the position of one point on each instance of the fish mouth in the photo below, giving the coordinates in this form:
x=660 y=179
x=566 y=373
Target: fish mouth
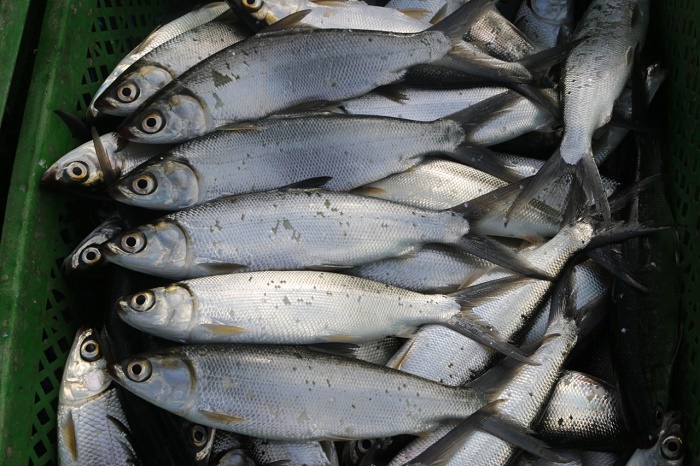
x=108 y=249
x=114 y=371
x=116 y=193
x=49 y=177
x=93 y=115
x=125 y=133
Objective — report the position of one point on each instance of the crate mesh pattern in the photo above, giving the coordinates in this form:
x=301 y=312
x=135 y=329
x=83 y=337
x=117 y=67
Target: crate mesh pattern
x=112 y=28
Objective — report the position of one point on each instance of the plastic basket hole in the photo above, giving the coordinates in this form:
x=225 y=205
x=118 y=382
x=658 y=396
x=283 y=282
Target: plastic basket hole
x=101 y=23
x=50 y=354
x=58 y=296
x=46 y=385
x=109 y=48
x=43 y=417
x=67 y=315
x=39 y=449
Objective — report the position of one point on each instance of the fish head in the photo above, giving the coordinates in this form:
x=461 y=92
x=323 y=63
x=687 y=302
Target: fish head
x=175 y=116
x=553 y=11
x=165 y=311
x=80 y=169
x=163 y=184
x=258 y=10
x=84 y=258
x=132 y=89
x=158 y=249
x=162 y=379
x=669 y=448
x=85 y=374
x=237 y=457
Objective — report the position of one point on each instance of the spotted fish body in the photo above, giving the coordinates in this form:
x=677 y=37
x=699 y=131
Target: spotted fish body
x=282 y=230
x=293 y=308
x=546 y=22
x=309 y=453
x=87 y=401
x=273 y=392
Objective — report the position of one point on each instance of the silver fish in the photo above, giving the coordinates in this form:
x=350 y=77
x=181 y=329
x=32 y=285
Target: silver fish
x=594 y=75
x=92 y=428
x=336 y=15
x=290 y=229
x=159 y=36
x=436 y=268
x=236 y=457
x=154 y=70
x=669 y=449
x=313 y=395
x=286 y=308
x=278 y=152
x=80 y=169
x=546 y=22
x=379 y=351
x=336 y=65
x=583 y=413
x=87 y=255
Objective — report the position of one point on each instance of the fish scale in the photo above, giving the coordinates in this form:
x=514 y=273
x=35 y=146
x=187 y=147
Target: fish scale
x=292 y=393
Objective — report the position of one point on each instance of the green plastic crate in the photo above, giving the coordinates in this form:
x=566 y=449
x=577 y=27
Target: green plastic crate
x=81 y=41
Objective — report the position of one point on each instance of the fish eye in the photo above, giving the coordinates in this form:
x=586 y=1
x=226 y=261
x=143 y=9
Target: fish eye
x=90 y=351
x=253 y=5
x=133 y=242
x=77 y=171
x=142 y=301
x=198 y=435
x=152 y=123
x=672 y=447
x=365 y=445
x=144 y=184
x=138 y=370
x=127 y=92
x=90 y=255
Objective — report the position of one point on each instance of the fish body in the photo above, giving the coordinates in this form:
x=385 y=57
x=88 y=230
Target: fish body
x=378 y=351
x=277 y=152
x=161 y=35
x=237 y=388
x=335 y=15
x=294 y=308
x=166 y=62
x=80 y=169
x=583 y=413
x=278 y=230
x=308 y=453
x=92 y=428
x=436 y=268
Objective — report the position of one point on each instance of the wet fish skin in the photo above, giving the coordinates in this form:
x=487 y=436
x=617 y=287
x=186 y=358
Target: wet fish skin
x=91 y=424
x=436 y=268
x=292 y=308
x=583 y=413
x=80 y=170
x=378 y=351
x=309 y=453
x=159 y=36
x=546 y=22
x=304 y=229
x=234 y=387
x=338 y=15
x=277 y=152
x=166 y=62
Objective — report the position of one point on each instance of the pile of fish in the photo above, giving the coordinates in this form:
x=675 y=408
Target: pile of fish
x=349 y=256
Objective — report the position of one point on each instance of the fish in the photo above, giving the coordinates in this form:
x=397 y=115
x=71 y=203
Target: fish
x=226 y=87
x=297 y=308
x=304 y=229
x=279 y=152
x=669 y=449
x=92 y=428
x=335 y=15
x=378 y=351
x=237 y=387
x=593 y=76
x=159 y=36
x=80 y=170
x=546 y=22
x=87 y=256
x=166 y=62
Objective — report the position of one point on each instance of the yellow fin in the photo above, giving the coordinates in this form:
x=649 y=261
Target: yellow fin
x=223 y=330
x=339 y=338
x=220 y=418
x=416 y=13
x=369 y=191
x=68 y=430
